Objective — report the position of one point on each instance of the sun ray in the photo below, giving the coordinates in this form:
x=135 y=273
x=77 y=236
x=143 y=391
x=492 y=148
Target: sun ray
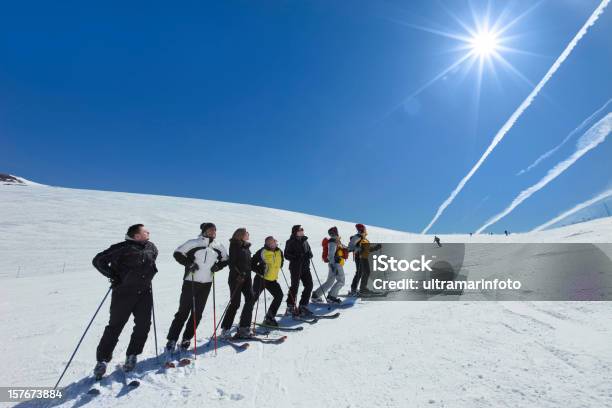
x=427 y=84
x=479 y=45
x=511 y=67
x=430 y=30
x=518 y=18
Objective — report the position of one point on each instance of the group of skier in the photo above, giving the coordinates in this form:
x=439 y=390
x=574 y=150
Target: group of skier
x=131 y=265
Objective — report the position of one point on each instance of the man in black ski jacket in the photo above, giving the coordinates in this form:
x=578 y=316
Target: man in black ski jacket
x=130 y=266
x=299 y=254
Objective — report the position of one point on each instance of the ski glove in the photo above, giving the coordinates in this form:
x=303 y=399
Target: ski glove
x=115 y=281
x=218 y=266
x=192 y=268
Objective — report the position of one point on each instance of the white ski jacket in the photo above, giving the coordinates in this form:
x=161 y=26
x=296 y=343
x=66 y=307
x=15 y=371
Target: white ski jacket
x=204 y=254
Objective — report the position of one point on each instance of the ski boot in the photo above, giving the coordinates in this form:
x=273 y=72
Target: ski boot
x=243 y=333
x=270 y=321
x=333 y=299
x=353 y=293
x=130 y=363
x=305 y=312
x=291 y=310
x=170 y=346
x=185 y=345
x=226 y=334
x=315 y=298
x=99 y=370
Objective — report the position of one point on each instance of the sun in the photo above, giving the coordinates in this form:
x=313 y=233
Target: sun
x=484 y=43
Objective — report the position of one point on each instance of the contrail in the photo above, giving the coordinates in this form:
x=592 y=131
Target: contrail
x=549 y=153
x=574 y=210
x=592 y=138
x=519 y=111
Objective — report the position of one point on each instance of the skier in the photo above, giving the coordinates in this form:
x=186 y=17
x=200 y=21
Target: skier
x=354 y=248
x=334 y=255
x=266 y=264
x=201 y=257
x=506 y=232
x=299 y=254
x=239 y=280
x=362 y=248
x=130 y=267
x=437 y=241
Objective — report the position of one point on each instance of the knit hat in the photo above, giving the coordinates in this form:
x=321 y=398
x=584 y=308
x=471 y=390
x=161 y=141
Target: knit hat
x=333 y=231
x=360 y=227
x=295 y=229
x=206 y=225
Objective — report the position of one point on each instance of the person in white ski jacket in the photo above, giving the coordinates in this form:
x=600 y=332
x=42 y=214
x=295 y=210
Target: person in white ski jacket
x=201 y=257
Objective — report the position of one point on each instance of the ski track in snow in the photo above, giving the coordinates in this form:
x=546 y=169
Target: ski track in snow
x=383 y=354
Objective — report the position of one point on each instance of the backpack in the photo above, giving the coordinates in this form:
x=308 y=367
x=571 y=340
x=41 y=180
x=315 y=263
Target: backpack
x=325 y=250
x=344 y=253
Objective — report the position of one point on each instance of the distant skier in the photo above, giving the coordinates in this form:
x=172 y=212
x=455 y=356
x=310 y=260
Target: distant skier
x=437 y=241
x=239 y=280
x=130 y=266
x=299 y=254
x=266 y=263
x=362 y=248
x=201 y=257
x=334 y=255
x=506 y=232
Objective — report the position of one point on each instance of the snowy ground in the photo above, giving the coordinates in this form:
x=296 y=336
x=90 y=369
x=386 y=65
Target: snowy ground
x=386 y=354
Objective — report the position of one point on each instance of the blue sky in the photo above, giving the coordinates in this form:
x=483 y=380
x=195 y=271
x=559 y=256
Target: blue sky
x=291 y=105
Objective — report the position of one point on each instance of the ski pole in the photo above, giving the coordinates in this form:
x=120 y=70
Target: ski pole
x=320 y=285
x=265 y=299
x=256 y=310
x=82 y=337
x=193 y=312
x=154 y=325
x=288 y=287
x=214 y=313
x=228 y=305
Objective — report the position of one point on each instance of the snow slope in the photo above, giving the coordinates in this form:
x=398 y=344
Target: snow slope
x=453 y=354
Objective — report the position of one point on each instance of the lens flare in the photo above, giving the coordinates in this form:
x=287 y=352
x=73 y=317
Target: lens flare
x=484 y=43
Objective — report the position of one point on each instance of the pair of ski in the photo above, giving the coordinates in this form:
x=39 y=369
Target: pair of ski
x=127 y=377
x=243 y=343
x=180 y=360
x=368 y=295
x=314 y=318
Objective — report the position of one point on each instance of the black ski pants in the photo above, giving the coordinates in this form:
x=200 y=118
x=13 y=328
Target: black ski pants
x=191 y=306
x=300 y=272
x=362 y=274
x=125 y=302
x=259 y=285
x=238 y=286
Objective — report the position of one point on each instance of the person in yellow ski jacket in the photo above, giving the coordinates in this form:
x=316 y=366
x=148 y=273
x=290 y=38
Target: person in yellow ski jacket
x=361 y=248
x=266 y=263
